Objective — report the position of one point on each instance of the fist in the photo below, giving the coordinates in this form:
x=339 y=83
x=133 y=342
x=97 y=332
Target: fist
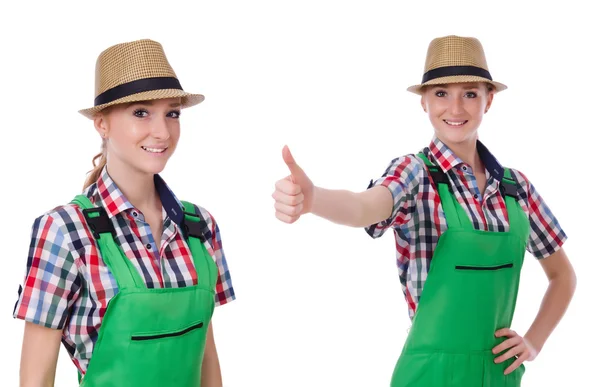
x=294 y=193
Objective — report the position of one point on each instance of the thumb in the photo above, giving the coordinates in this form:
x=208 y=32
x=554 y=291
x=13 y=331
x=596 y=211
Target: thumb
x=296 y=172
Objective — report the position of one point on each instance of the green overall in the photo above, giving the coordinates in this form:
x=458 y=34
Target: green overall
x=150 y=337
x=470 y=293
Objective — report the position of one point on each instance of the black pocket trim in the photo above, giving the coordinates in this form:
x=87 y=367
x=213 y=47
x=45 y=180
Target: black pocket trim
x=505 y=266
x=160 y=336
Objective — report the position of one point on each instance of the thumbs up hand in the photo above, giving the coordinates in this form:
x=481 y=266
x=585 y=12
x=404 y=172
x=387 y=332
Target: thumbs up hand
x=293 y=194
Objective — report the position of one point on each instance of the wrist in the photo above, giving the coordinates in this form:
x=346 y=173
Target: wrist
x=536 y=343
x=315 y=196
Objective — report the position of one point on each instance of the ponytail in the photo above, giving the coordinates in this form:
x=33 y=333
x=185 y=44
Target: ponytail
x=94 y=174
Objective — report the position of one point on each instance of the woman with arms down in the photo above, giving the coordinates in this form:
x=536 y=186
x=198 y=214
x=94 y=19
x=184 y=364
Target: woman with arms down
x=126 y=275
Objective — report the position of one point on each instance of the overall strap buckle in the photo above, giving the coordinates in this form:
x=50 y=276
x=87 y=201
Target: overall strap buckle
x=98 y=221
x=193 y=225
x=438 y=176
x=436 y=173
x=508 y=185
x=508 y=189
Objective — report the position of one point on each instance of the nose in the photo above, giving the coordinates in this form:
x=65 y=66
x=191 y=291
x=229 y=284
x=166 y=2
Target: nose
x=160 y=129
x=456 y=106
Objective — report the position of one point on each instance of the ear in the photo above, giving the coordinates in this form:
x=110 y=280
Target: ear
x=101 y=124
x=490 y=98
x=423 y=104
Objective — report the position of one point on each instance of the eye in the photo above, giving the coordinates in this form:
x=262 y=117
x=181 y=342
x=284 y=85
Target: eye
x=471 y=94
x=440 y=93
x=140 y=113
x=174 y=114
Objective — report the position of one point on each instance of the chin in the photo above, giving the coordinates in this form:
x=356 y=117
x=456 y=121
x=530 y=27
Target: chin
x=456 y=136
x=152 y=168
x=152 y=164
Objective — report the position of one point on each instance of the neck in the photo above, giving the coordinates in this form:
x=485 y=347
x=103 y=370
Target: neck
x=138 y=187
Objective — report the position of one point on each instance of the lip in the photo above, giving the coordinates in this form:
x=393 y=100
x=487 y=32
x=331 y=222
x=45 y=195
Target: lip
x=456 y=123
x=165 y=148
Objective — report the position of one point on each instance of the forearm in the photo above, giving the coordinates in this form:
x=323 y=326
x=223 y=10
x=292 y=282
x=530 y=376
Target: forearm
x=29 y=378
x=211 y=372
x=351 y=208
x=211 y=369
x=554 y=304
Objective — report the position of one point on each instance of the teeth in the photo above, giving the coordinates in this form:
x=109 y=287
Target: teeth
x=154 y=150
x=455 y=123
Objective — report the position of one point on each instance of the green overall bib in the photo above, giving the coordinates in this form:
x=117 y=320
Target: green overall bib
x=470 y=293
x=150 y=337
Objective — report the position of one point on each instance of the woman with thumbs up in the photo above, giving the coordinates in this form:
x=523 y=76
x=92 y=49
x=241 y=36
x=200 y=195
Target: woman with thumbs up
x=462 y=223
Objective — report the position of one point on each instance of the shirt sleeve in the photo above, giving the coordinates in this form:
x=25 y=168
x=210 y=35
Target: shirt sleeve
x=401 y=178
x=52 y=283
x=224 y=291
x=545 y=233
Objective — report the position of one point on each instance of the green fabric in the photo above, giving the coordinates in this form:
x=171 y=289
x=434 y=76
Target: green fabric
x=132 y=349
x=467 y=297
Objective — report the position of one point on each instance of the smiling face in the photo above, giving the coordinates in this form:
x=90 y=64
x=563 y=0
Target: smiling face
x=456 y=110
x=141 y=136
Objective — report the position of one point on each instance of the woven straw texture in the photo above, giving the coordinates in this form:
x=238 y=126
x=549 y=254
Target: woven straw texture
x=455 y=51
x=127 y=62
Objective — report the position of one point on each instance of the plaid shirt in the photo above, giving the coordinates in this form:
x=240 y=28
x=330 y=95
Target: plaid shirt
x=418 y=219
x=67 y=285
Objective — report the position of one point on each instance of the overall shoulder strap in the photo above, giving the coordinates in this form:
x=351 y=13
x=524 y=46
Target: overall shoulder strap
x=104 y=232
x=508 y=186
x=96 y=217
x=519 y=224
x=450 y=206
x=194 y=226
x=438 y=176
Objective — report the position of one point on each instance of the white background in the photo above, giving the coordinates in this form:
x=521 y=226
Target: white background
x=318 y=304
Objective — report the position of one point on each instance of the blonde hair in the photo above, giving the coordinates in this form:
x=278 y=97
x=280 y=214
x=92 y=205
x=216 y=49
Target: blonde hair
x=99 y=161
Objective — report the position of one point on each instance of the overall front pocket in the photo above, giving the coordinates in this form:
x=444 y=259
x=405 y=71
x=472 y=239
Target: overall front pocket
x=474 y=267
x=167 y=357
x=155 y=336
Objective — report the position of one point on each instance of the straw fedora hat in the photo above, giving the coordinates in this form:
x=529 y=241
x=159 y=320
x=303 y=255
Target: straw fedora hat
x=136 y=71
x=455 y=59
